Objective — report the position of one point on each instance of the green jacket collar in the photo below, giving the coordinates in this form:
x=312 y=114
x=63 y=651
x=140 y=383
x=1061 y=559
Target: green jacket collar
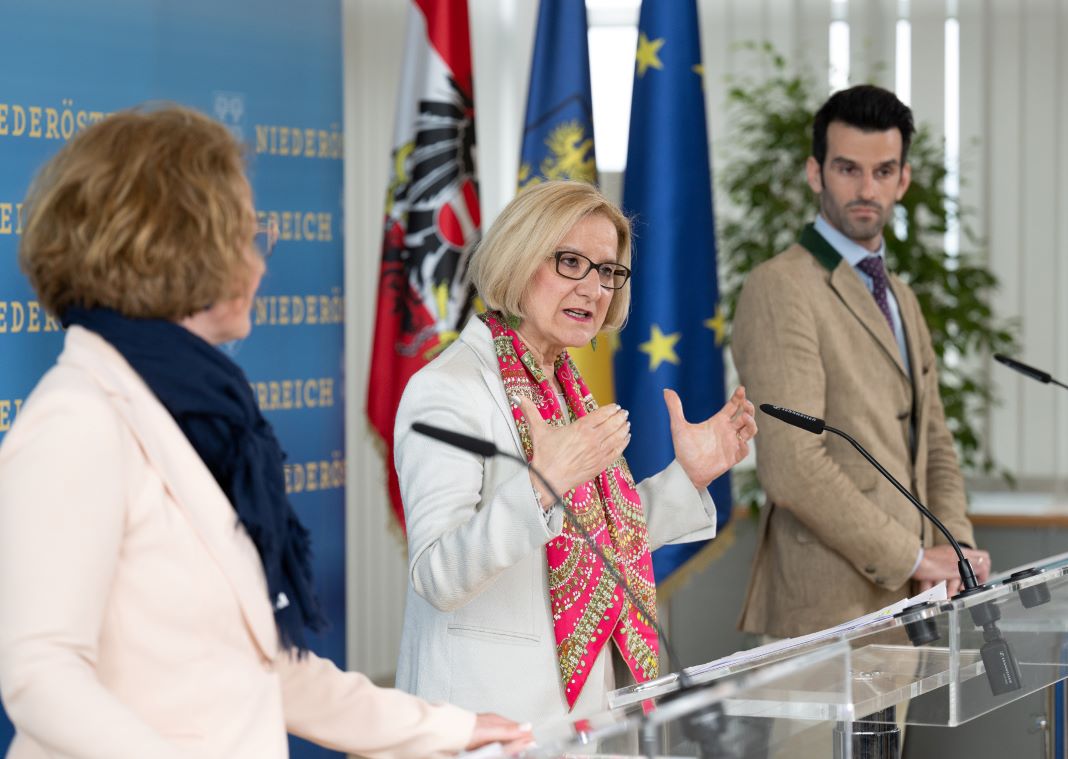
x=814 y=243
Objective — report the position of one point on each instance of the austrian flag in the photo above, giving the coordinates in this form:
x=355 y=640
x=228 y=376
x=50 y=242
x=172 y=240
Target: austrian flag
x=432 y=219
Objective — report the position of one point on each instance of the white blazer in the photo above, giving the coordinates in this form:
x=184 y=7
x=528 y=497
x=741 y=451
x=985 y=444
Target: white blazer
x=477 y=627
x=134 y=619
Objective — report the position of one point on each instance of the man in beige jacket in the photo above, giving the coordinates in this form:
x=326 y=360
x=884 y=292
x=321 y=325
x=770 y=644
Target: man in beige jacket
x=821 y=328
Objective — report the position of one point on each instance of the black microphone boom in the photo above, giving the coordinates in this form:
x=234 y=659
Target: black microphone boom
x=1030 y=371
x=796 y=418
x=457 y=440
x=488 y=449
x=817 y=426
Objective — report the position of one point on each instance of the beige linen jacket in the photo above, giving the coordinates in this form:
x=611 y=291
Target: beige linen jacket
x=478 y=631
x=134 y=618
x=836 y=540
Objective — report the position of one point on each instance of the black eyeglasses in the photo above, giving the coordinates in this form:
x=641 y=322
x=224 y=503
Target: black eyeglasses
x=576 y=266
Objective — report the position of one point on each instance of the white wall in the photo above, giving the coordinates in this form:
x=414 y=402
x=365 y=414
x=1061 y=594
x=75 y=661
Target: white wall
x=373 y=38
x=1023 y=128
x=1014 y=123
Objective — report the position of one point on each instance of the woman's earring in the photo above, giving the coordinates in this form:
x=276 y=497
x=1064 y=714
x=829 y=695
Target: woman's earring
x=593 y=344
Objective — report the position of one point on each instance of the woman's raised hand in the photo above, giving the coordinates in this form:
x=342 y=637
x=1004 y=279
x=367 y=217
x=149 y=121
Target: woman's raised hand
x=569 y=456
x=708 y=449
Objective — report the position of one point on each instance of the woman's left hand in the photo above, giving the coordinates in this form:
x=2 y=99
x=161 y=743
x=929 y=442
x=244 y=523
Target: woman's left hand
x=708 y=449
x=493 y=728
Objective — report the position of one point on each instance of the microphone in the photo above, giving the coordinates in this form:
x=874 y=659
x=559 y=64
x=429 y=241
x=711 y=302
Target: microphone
x=487 y=449
x=817 y=426
x=457 y=440
x=1030 y=371
x=795 y=418
x=706 y=725
x=1002 y=670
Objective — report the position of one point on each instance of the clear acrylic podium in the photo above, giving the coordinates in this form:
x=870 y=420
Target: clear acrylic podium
x=942 y=664
x=755 y=713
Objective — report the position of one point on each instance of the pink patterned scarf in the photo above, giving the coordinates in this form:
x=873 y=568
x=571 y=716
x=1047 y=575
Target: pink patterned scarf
x=588 y=607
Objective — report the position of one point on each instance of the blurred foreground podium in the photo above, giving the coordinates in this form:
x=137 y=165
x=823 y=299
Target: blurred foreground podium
x=840 y=695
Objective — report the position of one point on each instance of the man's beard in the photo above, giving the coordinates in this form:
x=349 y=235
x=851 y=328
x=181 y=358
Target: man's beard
x=856 y=230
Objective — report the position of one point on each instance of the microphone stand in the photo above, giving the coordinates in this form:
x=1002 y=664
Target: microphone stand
x=702 y=726
x=1030 y=371
x=964 y=567
x=817 y=426
x=1041 y=594
x=1038 y=594
x=1002 y=671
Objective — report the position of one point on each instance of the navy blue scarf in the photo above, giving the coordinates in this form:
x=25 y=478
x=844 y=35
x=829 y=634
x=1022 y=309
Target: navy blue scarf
x=211 y=400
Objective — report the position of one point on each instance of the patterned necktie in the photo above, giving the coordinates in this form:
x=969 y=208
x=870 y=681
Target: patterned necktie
x=873 y=267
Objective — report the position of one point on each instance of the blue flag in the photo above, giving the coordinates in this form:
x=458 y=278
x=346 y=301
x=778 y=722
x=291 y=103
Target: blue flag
x=676 y=328
x=558 y=133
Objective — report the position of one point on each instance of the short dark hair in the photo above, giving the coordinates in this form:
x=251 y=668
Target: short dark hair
x=865 y=107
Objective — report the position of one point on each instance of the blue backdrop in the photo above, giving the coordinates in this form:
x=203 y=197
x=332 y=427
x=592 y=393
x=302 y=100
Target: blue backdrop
x=271 y=71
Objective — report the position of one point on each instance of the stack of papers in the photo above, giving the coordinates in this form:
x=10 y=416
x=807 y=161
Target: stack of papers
x=937 y=593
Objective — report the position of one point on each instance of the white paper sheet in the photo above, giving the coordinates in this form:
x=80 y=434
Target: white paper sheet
x=937 y=593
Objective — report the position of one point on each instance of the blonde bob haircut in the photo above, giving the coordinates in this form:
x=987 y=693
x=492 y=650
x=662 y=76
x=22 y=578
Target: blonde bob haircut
x=527 y=233
x=146 y=212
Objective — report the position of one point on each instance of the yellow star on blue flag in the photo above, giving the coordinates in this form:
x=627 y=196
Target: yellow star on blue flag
x=648 y=54
x=718 y=325
x=660 y=348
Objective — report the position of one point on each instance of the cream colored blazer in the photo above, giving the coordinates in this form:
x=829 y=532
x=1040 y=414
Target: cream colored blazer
x=837 y=540
x=477 y=627
x=134 y=619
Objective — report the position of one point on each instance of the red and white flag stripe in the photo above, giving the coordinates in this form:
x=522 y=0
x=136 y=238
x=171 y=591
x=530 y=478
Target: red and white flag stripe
x=432 y=219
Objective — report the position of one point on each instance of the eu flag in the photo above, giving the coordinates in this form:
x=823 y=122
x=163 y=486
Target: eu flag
x=674 y=336
x=558 y=135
